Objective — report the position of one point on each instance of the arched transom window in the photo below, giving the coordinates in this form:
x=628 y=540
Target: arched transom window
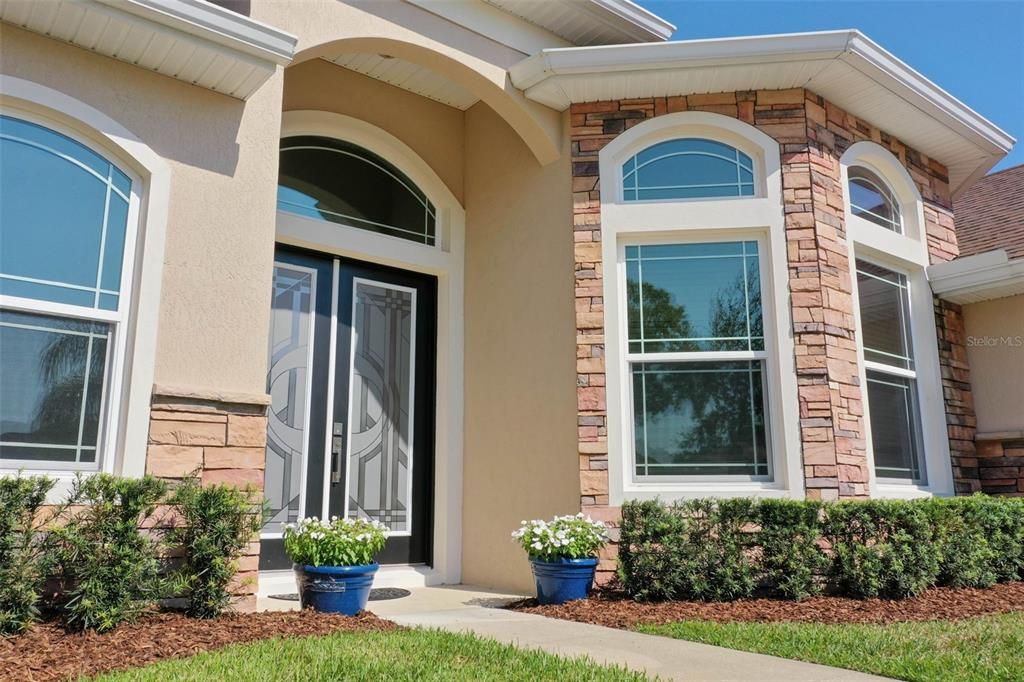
x=332 y=180
x=872 y=200
x=687 y=168
x=65 y=266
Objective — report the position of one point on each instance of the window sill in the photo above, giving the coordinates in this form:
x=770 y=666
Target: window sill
x=63 y=480
x=906 y=491
x=674 y=491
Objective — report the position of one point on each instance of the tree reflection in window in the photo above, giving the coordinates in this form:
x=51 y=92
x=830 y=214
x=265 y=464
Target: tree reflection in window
x=703 y=414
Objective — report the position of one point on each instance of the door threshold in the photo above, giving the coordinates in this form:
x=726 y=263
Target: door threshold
x=407 y=576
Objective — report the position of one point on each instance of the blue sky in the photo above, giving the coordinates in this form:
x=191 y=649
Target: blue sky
x=974 y=49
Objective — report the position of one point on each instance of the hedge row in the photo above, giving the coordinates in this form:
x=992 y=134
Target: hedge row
x=726 y=549
x=96 y=559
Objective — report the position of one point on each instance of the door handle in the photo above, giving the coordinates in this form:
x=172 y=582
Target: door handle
x=337 y=448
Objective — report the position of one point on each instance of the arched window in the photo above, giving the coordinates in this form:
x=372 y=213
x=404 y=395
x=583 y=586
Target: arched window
x=688 y=168
x=64 y=226
x=332 y=180
x=871 y=199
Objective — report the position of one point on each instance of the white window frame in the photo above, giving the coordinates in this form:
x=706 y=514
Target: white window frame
x=124 y=425
x=759 y=218
x=631 y=359
x=906 y=254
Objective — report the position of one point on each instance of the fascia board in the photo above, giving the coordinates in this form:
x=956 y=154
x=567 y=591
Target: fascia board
x=666 y=56
x=985 y=275
x=215 y=24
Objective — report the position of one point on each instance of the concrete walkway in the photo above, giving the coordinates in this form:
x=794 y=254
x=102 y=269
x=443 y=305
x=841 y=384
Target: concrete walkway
x=464 y=609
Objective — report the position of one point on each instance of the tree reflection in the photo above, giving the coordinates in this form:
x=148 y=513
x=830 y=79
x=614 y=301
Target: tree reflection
x=705 y=405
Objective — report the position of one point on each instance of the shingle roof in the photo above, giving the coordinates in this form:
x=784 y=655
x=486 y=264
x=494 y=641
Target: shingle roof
x=990 y=215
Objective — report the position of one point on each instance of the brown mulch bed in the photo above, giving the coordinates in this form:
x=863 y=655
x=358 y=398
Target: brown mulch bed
x=47 y=652
x=614 y=609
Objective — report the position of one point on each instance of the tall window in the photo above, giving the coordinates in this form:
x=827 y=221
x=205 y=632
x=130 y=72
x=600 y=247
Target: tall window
x=331 y=180
x=688 y=168
x=64 y=225
x=891 y=374
x=871 y=199
x=696 y=356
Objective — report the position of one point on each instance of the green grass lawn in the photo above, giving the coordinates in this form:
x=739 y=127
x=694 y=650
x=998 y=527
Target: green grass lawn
x=983 y=649
x=397 y=655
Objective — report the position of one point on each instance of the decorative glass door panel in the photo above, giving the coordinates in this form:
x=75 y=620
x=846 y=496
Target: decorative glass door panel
x=351 y=382
x=380 y=451
x=291 y=354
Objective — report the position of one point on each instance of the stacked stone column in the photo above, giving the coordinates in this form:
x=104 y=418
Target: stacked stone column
x=222 y=438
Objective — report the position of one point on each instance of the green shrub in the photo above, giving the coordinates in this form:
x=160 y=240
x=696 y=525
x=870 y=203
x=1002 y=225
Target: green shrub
x=110 y=569
x=720 y=549
x=690 y=550
x=21 y=569
x=1004 y=526
x=647 y=537
x=792 y=561
x=961 y=525
x=881 y=548
x=217 y=523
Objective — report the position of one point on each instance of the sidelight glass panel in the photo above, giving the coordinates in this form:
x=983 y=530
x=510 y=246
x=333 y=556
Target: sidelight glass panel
x=700 y=418
x=288 y=382
x=380 y=453
x=52 y=373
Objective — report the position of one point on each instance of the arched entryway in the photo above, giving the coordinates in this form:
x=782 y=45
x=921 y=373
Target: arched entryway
x=364 y=360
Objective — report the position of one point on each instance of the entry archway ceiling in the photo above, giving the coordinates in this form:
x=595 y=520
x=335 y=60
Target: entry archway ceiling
x=409 y=76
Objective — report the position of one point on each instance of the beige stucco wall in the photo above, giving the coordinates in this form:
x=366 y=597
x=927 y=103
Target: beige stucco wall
x=431 y=129
x=520 y=448
x=995 y=352
x=222 y=154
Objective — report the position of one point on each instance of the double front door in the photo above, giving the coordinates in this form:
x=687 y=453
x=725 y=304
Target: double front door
x=351 y=380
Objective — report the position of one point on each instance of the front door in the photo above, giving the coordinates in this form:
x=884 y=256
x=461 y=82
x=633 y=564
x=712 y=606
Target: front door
x=351 y=381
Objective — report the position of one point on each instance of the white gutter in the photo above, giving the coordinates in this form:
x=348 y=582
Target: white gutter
x=216 y=24
x=575 y=61
x=981 y=277
x=630 y=18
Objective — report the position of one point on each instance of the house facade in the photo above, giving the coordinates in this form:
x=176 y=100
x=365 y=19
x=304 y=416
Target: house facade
x=452 y=265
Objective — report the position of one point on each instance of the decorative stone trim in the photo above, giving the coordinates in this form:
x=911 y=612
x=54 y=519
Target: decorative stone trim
x=813 y=134
x=1001 y=466
x=961 y=423
x=222 y=439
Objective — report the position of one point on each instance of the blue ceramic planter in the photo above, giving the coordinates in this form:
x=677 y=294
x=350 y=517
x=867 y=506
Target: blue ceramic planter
x=335 y=589
x=563 y=580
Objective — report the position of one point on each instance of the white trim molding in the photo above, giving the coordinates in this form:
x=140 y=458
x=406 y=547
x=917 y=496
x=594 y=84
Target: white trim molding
x=905 y=254
x=845 y=67
x=981 y=277
x=759 y=218
x=191 y=40
x=589 y=22
x=128 y=425
x=446 y=261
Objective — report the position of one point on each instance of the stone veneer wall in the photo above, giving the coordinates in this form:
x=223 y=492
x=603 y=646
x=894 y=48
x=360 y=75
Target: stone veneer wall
x=223 y=437
x=812 y=134
x=1001 y=464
